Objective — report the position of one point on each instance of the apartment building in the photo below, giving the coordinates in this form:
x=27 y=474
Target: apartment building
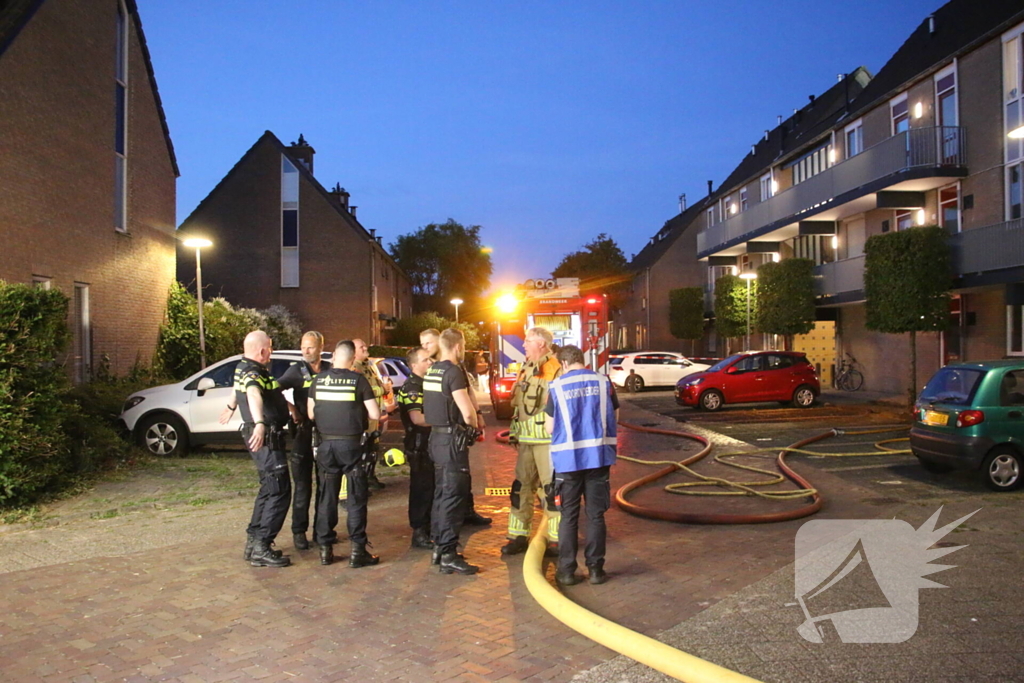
x=923 y=142
x=280 y=237
x=88 y=173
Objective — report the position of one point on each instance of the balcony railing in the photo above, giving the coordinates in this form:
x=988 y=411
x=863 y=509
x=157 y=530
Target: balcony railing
x=992 y=247
x=839 y=277
x=935 y=147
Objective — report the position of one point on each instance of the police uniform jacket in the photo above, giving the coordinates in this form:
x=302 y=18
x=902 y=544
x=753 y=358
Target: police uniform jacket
x=339 y=396
x=440 y=383
x=299 y=378
x=410 y=399
x=250 y=373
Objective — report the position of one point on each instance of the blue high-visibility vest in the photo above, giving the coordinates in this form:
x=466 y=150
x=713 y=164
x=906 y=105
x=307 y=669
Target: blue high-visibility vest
x=584 y=434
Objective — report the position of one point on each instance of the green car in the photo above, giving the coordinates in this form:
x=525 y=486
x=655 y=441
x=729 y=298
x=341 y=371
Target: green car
x=971 y=416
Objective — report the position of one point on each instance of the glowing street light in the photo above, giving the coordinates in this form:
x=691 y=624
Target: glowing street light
x=456 y=302
x=199 y=243
x=748 y=276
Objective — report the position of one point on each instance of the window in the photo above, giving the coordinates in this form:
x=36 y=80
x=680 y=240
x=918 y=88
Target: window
x=778 y=361
x=767 y=186
x=1014 y=191
x=949 y=208
x=818 y=248
x=750 y=363
x=1011 y=389
x=811 y=164
x=82 y=334
x=946 y=108
x=1015 y=330
x=899 y=110
x=121 y=122
x=854 y=139
x=289 y=223
x=1013 y=71
x=904 y=219
x=41 y=282
x=711 y=217
x=743 y=199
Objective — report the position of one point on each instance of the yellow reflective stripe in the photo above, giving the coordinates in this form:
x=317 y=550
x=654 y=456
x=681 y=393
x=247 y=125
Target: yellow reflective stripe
x=553 y=529
x=343 y=493
x=517 y=528
x=348 y=396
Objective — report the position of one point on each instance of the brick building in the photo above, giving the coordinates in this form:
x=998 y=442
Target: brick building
x=923 y=142
x=279 y=237
x=88 y=172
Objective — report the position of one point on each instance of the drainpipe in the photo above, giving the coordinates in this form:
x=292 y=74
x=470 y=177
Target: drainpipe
x=648 y=287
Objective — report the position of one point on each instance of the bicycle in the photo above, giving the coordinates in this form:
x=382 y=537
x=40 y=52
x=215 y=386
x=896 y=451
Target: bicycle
x=849 y=378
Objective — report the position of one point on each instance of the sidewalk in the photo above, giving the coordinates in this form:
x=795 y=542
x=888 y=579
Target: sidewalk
x=838 y=397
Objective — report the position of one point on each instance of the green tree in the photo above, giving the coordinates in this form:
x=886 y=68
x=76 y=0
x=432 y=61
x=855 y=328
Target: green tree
x=785 y=297
x=731 y=306
x=601 y=267
x=407 y=330
x=443 y=261
x=686 y=313
x=907 y=276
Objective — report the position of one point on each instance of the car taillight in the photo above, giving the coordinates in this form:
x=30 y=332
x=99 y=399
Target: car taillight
x=969 y=418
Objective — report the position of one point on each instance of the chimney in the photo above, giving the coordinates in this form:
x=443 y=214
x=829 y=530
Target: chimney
x=709 y=187
x=811 y=98
x=753 y=150
x=373 y=233
x=340 y=195
x=839 y=78
x=302 y=152
x=778 y=120
x=931 y=24
x=766 y=131
x=682 y=202
x=380 y=241
x=352 y=210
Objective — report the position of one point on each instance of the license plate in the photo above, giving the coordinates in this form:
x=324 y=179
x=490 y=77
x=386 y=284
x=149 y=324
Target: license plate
x=936 y=419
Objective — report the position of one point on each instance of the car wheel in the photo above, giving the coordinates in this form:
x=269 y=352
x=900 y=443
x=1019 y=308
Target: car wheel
x=634 y=383
x=711 y=400
x=935 y=467
x=803 y=397
x=1001 y=470
x=163 y=435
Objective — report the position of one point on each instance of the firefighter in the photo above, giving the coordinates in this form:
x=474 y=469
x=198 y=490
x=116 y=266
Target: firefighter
x=381 y=387
x=343 y=406
x=533 y=464
x=299 y=378
x=429 y=340
x=449 y=412
x=264 y=414
x=417 y=454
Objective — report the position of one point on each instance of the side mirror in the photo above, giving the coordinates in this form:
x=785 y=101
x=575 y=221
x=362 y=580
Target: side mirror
x=731 y=370
x=204 y=384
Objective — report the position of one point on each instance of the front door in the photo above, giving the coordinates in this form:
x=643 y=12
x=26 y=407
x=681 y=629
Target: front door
x=205 y=406
x=746 y=380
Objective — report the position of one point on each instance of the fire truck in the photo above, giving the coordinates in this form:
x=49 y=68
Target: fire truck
x=557 y=305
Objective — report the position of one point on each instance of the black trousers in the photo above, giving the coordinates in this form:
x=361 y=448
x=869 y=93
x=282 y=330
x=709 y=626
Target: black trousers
x=300 y=462
x=451 y=490
x=421 y=488
x=334 y=459
x=271 y=506
x=594 y=488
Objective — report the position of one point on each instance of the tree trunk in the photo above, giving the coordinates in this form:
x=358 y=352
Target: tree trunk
x=912 y=390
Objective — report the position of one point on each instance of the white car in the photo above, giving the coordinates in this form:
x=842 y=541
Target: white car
x=168 y=419
x=634 y=371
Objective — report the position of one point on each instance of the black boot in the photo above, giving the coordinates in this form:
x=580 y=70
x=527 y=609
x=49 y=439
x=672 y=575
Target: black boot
x=435 y=557
x=300 y=542
x=263 y=556
x=597 y=575
x=515 y=545
x=567 y=578
x=361 y=557
x=374 y=483
x=250 y=541
x=326 y=554
x=421 y=539
x=453 y=563
x=476 y=519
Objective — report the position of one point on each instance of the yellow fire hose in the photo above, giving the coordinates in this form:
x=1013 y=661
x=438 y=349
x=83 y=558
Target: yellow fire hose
x=655 y=654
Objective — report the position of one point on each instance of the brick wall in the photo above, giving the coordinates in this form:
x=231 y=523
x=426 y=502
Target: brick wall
x=57 y=218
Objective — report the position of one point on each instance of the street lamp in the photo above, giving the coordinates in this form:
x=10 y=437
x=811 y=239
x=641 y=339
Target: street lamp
x=457 y=302
x=748 y=276
x=199 y=243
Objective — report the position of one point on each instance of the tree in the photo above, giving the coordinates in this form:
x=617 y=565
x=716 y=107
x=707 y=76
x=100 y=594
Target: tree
x=785 y=297
x=686 y=313
x=731 y=306
x=444 y=261
x=407 y=330
x=907 y=276
x=601 y=267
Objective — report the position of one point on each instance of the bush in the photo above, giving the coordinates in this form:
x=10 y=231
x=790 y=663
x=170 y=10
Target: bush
x=407 y=330
x=686 y=312
x=378 y=351
x=33 y=334
x=785 y=297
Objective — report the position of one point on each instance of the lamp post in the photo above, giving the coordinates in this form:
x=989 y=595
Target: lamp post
x=748 y=276
x=199 y=243
x=457 y=302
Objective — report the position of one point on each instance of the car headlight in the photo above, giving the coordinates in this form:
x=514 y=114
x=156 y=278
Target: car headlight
x=132 y=402
x=693 y=382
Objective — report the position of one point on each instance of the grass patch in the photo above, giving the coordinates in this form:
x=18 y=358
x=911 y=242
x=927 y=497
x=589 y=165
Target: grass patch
x=200 y=501
x=106 y=514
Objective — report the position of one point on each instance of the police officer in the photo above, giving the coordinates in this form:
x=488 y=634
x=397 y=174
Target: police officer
x=342 y=404
x=581 y=416
x=449 y=412
x=417 y=435
x=533 y=463
x=264 y=414
x=380 y=387
x=299 y=377
x=429 y=340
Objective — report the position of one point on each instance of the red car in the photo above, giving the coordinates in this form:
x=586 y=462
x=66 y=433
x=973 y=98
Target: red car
x=784 y=376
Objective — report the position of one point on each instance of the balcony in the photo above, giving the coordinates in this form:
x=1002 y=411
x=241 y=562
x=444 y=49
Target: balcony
x=840 y=281
x=989 y=255
x=900 y=162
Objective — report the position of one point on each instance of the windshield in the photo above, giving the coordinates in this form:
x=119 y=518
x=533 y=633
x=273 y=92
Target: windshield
x=616 y=360
x=952 y=385
x=725 y=362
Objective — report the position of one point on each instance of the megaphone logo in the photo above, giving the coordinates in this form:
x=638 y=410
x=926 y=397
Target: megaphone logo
x=861 y=577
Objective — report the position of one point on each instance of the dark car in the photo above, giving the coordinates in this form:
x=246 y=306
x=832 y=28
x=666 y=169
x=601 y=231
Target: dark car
x=784 y=376
x=971 y=416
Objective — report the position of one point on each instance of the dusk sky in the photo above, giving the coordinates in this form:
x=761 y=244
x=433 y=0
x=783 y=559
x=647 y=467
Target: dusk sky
x=545 y=123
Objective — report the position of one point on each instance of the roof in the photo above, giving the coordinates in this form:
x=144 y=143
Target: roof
x=272 y=139
x=960 y=25
x=15 y=14
x=666 y=237
x=805 y=126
